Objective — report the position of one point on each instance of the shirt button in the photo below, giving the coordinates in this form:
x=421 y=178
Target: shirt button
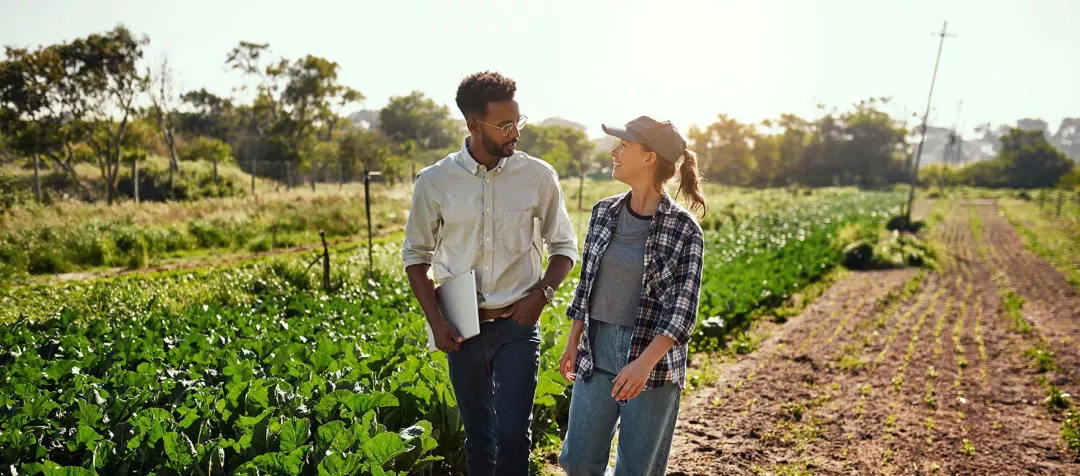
x=488 y=239
x=487 y=180
x=487 y=210
x=487 y=267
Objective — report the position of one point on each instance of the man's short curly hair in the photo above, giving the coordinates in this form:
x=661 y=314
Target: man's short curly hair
x=478 y=89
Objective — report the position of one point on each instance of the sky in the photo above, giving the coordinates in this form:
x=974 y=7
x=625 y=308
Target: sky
x=597 y=61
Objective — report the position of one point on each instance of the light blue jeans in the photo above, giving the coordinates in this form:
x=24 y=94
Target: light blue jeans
x=646 y=423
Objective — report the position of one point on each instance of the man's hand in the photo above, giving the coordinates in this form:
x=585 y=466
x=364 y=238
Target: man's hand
x=631 y=380
x=527 y=311
x=446 y=335
x=568 y=362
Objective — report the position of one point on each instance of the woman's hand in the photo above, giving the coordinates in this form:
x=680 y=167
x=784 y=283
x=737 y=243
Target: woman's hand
x=568 y=362
x=631 y=380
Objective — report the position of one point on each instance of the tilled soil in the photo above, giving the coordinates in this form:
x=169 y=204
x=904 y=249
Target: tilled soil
x=872 y=379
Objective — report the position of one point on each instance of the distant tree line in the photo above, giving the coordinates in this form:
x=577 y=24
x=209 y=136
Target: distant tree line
x=96 y=100
x=1026 y=159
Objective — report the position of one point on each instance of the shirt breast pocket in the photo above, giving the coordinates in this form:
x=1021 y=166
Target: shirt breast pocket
x=514 y=231
x=462 y=213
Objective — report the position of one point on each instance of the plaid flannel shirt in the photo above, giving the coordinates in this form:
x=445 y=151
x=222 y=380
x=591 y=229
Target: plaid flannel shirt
x=674 y=252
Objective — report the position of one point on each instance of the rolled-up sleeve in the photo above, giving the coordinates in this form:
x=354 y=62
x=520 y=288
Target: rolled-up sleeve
x=556 y=230
x=422 y=226
x=682 y=303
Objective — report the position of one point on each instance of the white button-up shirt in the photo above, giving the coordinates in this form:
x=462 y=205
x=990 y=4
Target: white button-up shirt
x=467 y=217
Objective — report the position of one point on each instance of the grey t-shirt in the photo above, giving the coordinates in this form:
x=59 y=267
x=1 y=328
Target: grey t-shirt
x=616 y=292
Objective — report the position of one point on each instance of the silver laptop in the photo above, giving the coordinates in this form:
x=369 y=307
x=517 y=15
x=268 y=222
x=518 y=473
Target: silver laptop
x=457 y=303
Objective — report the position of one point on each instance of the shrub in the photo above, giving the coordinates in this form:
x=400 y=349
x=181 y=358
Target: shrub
x=13 y=259
x=208 y=235
x=12 y=192
x=859 y=255
x=194 y=181
x=900 y=223
x=47 y=262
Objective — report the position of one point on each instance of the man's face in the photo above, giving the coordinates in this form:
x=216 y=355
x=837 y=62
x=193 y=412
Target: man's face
x=499 y=115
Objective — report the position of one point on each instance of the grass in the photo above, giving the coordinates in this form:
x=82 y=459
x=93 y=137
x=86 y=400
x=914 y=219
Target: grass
x=70 y=236
x=66 y=236
x=1055 y=239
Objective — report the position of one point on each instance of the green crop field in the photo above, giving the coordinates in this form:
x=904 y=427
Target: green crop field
x=252 y=368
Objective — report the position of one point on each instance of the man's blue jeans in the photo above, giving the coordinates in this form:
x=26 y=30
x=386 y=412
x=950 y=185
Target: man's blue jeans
x=494 y=379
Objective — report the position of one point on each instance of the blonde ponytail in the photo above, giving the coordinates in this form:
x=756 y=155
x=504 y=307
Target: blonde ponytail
x=690 y=183
x=689 y=180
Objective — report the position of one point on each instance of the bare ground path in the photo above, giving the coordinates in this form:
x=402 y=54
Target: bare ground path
x=901 y=372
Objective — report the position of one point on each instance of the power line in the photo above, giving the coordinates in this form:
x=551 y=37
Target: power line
x=922 y=137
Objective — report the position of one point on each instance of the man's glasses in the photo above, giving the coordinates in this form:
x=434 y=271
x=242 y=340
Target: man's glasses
x=508 y=128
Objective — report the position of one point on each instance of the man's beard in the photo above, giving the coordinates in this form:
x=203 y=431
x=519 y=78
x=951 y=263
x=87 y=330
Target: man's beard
x=496 y=149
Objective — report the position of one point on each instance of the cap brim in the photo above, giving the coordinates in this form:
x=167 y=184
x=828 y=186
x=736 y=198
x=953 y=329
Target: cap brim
x=620 y=132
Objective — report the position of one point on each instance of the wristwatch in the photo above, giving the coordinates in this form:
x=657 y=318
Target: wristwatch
x=549 y=294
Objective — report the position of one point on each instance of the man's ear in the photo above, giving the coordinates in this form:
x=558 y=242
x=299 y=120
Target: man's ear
x=471 y=125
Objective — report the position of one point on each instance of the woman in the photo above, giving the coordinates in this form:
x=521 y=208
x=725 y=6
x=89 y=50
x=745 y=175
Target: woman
x=635 y=307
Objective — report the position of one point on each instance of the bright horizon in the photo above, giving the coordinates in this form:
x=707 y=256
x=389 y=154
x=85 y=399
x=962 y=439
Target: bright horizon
x=607 y=61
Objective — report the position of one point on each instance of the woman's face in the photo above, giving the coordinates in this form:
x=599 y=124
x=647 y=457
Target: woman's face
x=631 y=162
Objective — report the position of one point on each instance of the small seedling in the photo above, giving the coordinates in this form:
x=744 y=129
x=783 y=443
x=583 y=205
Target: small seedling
x=968 y=449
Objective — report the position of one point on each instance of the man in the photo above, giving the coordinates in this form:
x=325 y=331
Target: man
x=476 y=210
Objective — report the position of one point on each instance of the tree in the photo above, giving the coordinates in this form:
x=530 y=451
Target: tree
x=791 y=145
x=164 y=98
x=1029 y=161
x=987 y=173
x=872 y=144
x=417 y=118
x=212 y=115
x=109 y=81
x=362 y=149
x=565 y=148
x=42 y=107
x=766 y=157
x=82 y=90
x=725 y=150
x=293 y=100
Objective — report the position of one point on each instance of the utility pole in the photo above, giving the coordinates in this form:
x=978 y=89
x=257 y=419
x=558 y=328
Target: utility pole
x=367 y=210
x=922 y=138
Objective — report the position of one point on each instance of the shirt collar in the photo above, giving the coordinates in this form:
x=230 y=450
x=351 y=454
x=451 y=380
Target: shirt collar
x=465 y=159
x=664 y=208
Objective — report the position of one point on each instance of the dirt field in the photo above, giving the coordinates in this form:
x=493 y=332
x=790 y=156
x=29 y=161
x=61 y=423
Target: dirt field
x=903 y=372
